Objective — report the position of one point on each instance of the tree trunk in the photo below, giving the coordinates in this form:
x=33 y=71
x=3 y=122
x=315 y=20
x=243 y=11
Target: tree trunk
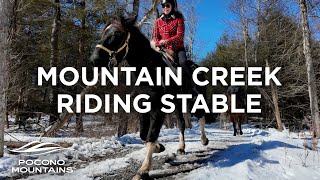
x=12 y=34
x=257 y=45
x=122 y=123
x=310 y=69
x=149 y=13
x=136 y=4
x=7 y=118
x=5 y=10
x=169 y=121
x=13 y=23
x=54 y=57
x=245 y=38
x=55 y=35
x=274 y=93
x=19 y=106
x=65 y=116
x=192 y=25
x=81 y=61
x=79 y=123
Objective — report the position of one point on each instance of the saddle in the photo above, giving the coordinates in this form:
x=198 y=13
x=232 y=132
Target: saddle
x=170 y=55
x=172 y=61
x=171 y=58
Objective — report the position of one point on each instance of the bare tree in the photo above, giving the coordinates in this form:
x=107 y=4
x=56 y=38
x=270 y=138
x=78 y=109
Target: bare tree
x=274 y=92
x=136 y=4
x=310 y=69
x=243 y=10
x=55 y=34
x=245 y=32
x=11 y=63
x=191 y=22
x=258 y=24
x=148 y=14
x=81 y=61
x=55 y=54
x=65 y=116
x=5 y=11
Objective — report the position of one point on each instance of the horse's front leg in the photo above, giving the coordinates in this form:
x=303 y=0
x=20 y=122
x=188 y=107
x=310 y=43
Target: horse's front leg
x=204 y=139
x=143 y=172
x=156 y=119
x=144 y=126
x=234 y=127
x=239 y=124
x=182 y=127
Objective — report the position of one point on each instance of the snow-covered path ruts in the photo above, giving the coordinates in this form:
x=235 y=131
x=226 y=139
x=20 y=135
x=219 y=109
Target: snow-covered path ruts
x=257 y=154
x=166 y=165
x=169 y=165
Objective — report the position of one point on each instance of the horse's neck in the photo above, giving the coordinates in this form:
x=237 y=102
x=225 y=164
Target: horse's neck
x=141 y=53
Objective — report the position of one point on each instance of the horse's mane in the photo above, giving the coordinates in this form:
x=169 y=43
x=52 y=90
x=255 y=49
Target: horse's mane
x=141 y=53
x=132 y=28
x=142 y=46
x=111 y=20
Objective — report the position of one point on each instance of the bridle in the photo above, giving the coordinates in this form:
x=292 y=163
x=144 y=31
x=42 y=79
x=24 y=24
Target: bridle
x=113 y=60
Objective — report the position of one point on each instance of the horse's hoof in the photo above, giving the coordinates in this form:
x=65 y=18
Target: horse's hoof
x=241 y=133
x=144 y=176
x=136 y=177
x=234 y=134
x=181 y=152
x=206 y=142
x=160 y=148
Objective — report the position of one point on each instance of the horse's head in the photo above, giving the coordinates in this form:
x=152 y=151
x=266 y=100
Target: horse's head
x=113 y=46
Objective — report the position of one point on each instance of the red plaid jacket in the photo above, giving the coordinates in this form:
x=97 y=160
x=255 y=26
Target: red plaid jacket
x=171 y=30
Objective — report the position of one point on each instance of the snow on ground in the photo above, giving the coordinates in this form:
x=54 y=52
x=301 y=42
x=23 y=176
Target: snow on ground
x=257 y=154
x=81 y=148
x=34 y=128
x=269 y=155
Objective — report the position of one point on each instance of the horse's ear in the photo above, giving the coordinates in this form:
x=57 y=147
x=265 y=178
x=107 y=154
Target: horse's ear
x=129 y=21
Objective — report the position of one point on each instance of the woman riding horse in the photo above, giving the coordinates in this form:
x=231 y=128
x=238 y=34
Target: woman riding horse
x=168 y=33
x=122 y=40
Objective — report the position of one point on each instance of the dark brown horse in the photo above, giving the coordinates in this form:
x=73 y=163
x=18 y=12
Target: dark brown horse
x=235 y=118
x=122 y=40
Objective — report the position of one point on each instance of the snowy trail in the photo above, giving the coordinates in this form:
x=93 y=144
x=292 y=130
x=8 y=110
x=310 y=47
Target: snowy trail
x=166 y=165
x=257 y=154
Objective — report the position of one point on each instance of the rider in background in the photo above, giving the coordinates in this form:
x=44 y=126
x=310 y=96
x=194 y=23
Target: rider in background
x=168 y=32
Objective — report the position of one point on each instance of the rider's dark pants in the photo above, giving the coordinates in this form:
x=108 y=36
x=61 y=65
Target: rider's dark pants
x=183 y=63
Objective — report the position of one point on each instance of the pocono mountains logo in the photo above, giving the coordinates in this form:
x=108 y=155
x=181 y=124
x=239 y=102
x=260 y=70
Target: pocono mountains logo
x=40 y=166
